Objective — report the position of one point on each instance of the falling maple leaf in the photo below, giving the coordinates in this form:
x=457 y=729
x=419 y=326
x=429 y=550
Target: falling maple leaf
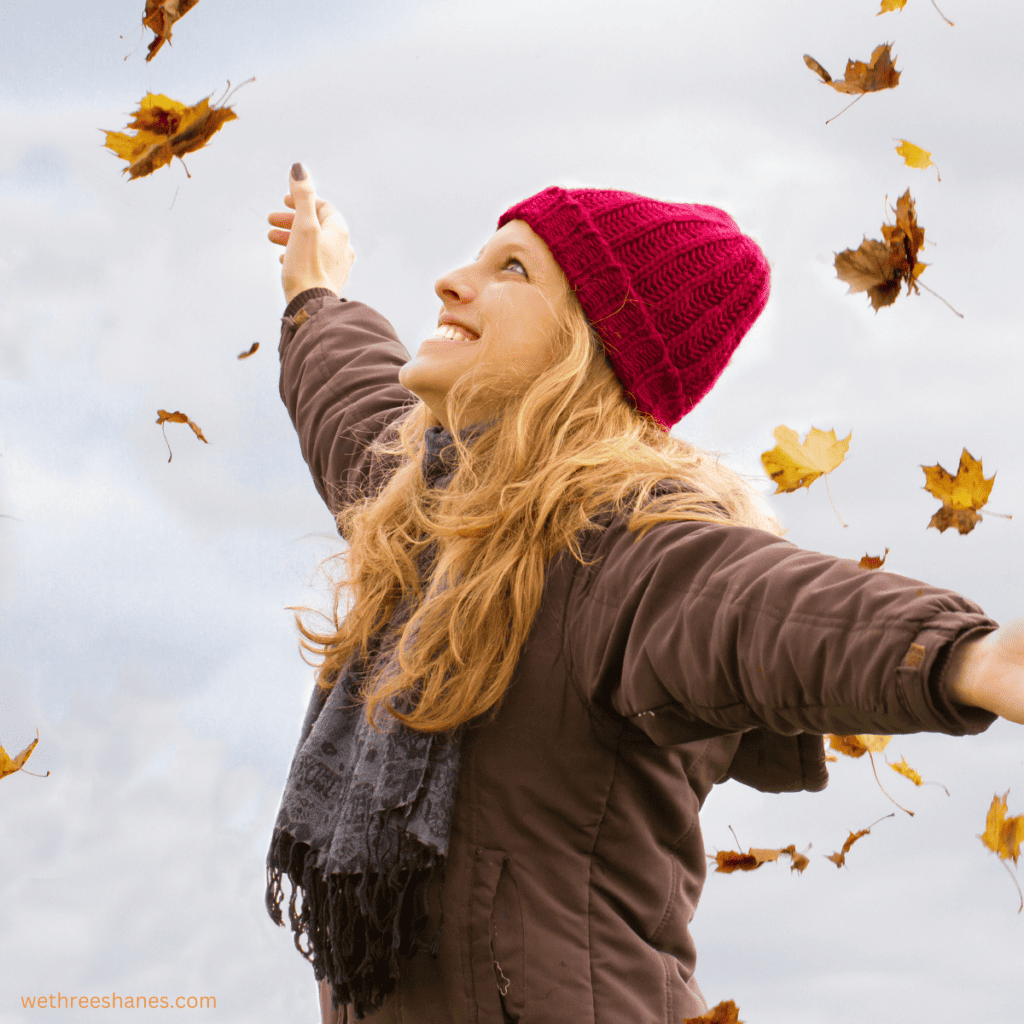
x=729 y=861
x=163 y=416
x=915 y=156
x=793 y=465
x=872 y=561
x=724 y=1013
x=859 y=745
x=962 y=496
x=906 y=771
x=878 y=73
x=160 y=16
x=1004 y=835
x=167 y=129
x=879 y=268
x=898 y=5
x=839 y=859
x=9 y=765
x=245 y=355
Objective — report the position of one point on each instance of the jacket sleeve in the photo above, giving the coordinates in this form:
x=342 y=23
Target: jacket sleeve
x=703 y=629
x=339 y=382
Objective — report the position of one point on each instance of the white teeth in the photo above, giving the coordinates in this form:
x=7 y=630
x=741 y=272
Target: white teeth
x=451 y=333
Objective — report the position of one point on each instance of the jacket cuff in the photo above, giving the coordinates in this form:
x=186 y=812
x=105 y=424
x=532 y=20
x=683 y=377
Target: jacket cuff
x=303 y=297
x=923 y=680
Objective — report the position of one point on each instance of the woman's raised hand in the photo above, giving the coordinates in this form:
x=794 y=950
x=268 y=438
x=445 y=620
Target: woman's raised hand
x=317 y=252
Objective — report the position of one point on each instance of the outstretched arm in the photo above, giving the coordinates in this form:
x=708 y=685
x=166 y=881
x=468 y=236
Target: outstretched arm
x=988 y=672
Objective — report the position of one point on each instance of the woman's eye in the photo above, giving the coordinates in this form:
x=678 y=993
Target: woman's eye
x=511 y=260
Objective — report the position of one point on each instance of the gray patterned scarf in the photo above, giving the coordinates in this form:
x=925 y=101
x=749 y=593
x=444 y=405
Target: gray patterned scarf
x=364 y=819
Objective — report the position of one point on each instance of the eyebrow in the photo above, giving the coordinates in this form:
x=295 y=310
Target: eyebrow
x=516 y=246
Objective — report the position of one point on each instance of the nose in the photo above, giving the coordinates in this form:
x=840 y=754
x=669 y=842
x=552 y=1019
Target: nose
x=454 y=286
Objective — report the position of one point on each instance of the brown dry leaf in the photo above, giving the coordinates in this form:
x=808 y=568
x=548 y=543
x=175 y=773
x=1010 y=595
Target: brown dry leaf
x=160 y=16
x=724 y=1013
x=167 y=129
x=878 y=73
x=962 y=495
x=252 y=351
x=872 y=561
x=163 y=416
x=9 y=765
x=839 y=859
x=799 y=861
x=879 y=268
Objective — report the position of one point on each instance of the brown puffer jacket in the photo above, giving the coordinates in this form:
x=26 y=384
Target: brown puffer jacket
x=702 y=653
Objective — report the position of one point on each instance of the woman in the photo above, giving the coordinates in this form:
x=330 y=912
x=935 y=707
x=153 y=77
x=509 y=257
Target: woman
x=567 y=625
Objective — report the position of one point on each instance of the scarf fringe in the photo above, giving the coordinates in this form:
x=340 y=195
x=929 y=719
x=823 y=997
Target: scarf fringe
x=354 y=924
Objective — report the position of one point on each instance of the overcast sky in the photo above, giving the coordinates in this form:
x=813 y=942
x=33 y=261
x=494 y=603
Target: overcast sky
x=144 y=628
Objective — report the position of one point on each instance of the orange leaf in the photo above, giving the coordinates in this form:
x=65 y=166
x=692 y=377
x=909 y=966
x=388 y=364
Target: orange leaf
x=245 y=355
x=167 y=129
x=160 y=16
x=839 y=859
x=724 y=1013
x=962 y=495
x=729 y=861
x=163 y=416
x=9 y=765
x=878 y=73
x=872 y=561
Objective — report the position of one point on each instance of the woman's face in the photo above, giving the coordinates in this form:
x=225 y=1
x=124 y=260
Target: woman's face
x=508 y=305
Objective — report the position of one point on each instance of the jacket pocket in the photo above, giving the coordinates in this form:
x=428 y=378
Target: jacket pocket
x=497 y=948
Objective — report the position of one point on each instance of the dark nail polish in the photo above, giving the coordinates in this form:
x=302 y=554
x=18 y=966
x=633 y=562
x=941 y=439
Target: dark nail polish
x=298 y=172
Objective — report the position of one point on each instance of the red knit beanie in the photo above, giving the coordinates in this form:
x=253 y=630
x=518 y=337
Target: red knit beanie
x=670 y=288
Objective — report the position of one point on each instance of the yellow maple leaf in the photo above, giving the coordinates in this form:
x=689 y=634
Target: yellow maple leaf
x=793 y=465
x=962 y=495
x=904 y=769
x=858 y=745
x=167 y=129
x=1003 y=835
x=9 y=765
x=915 y=156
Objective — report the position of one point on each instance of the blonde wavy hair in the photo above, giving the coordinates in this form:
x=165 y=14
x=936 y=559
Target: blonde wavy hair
x=566 y=446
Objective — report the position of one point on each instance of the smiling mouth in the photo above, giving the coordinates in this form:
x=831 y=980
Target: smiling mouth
x=452 y=335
